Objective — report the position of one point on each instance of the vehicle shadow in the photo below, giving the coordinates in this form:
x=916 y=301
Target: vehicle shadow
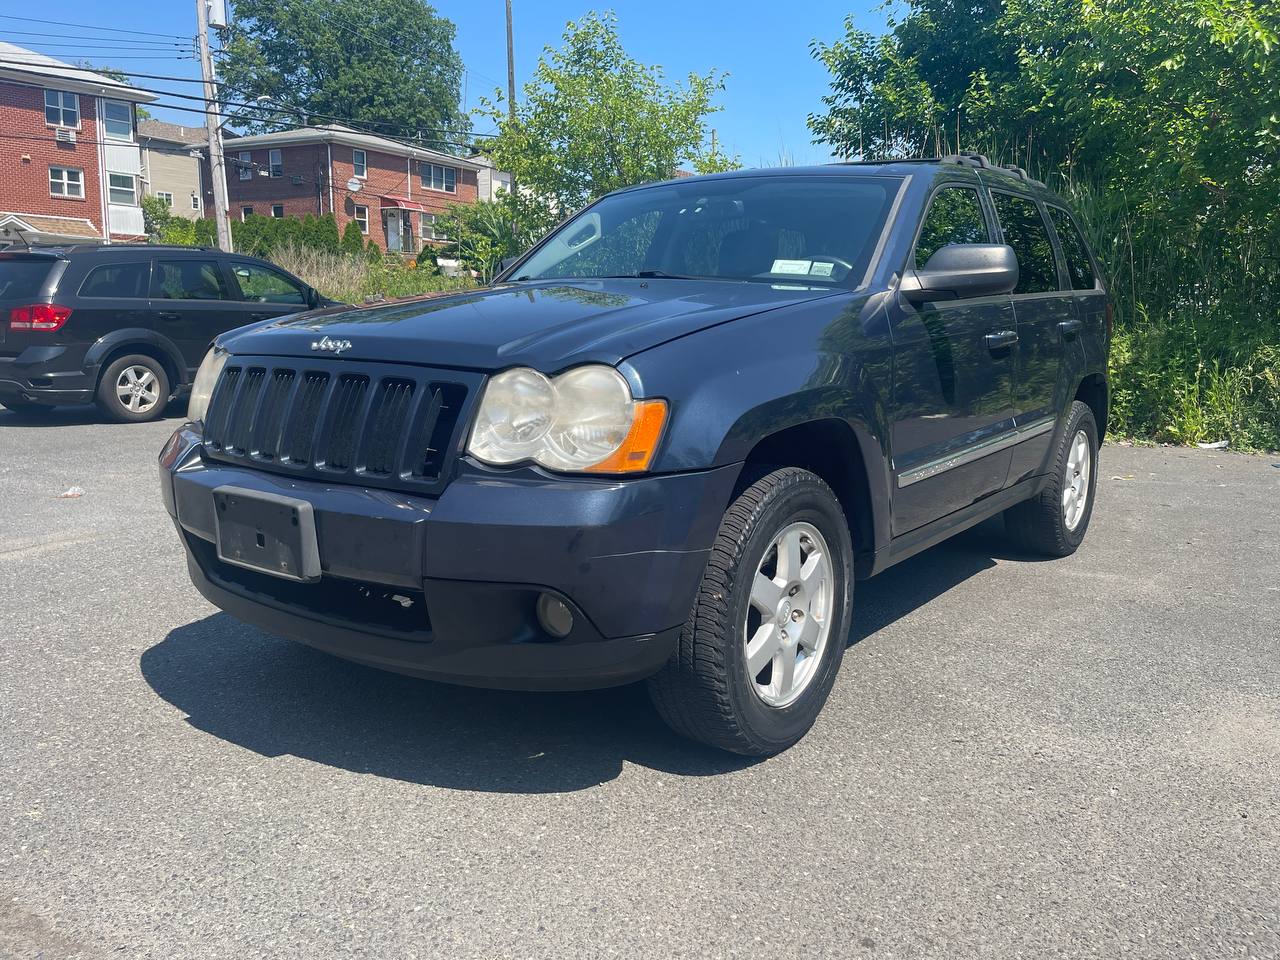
x=74 y=416
x=279 y=698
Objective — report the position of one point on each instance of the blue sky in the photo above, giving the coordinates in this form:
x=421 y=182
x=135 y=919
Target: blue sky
x=773 y=82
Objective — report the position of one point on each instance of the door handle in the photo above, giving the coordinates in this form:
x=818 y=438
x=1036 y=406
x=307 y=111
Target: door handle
x=169 y=316
x=1001 y=340
x=1069 y=328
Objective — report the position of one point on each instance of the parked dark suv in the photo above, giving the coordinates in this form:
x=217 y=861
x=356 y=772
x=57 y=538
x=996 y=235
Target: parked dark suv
x=665 y=443
x=126 y=325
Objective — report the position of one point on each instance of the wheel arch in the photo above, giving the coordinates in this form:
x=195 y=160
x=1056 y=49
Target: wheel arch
x=139 y=340
x=1093 y=392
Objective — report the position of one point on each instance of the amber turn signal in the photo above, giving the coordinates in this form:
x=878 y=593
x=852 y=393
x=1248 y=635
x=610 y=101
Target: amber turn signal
x=637 y=450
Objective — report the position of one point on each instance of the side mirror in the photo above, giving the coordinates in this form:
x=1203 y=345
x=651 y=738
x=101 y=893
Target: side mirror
x=961 y=270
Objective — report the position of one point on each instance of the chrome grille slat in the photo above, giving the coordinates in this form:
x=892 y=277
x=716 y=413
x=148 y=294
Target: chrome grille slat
x=384 y=425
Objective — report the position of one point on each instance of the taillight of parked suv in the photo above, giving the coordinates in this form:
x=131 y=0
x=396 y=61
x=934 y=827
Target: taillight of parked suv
x=38 y=316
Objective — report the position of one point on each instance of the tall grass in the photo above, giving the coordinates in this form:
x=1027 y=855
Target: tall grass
x=1196 y=354
x=356 y=280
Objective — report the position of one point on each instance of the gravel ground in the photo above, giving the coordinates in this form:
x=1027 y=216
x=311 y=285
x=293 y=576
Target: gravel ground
x=1074 y=758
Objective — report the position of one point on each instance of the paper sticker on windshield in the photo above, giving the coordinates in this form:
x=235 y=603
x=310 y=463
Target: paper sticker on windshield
x=821 y=269
x=798 y=267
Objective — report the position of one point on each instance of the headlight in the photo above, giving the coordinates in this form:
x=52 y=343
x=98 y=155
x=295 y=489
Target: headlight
x=582 y=420
x=202 y=387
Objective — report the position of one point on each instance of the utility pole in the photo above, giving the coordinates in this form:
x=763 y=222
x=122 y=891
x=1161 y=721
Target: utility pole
x=213 y=122
x=511 y=67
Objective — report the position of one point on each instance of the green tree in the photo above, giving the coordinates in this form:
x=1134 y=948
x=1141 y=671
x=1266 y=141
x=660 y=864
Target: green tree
x=327 y=233
x=482 y=235
x=352 y=239
x=594 y=119
x=389 y=60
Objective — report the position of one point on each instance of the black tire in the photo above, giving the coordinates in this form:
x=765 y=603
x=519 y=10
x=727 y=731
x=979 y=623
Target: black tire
x=26 y=406
x=704 y=692
x=108 y=400
x=1040 y=524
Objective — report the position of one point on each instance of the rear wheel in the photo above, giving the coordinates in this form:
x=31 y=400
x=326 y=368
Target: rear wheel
x=133 y=389
x=763 y=643
x=1054 y=522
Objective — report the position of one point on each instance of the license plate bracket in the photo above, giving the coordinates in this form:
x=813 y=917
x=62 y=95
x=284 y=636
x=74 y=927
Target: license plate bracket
x=267 y=532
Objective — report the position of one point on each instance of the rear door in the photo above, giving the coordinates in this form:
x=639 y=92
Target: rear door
x=1043 y=312
x=262 y=292
x=192 y=301
x=113 y=295
x=953 y=379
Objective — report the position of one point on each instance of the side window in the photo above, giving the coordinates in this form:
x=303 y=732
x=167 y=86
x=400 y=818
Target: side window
x=188 y=280
x=955 y=216
x=1079 y=266
x=1026 y=231
x=264 y=285
x=117 y=280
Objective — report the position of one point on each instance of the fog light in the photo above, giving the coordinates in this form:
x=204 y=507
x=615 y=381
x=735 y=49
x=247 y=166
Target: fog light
x=554 y=615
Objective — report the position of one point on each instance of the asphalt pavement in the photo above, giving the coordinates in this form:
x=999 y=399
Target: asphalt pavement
x=1072 y=758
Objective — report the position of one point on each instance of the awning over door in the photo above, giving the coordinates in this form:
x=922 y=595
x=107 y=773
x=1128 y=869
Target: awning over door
x=393 y=202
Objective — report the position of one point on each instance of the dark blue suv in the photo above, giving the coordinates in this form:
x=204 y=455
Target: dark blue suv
x=665 y=443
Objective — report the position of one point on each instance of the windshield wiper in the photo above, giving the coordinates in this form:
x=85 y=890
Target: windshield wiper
x=645 y=275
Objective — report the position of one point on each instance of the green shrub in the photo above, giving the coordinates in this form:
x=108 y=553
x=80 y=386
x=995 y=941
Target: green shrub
x=354 y=279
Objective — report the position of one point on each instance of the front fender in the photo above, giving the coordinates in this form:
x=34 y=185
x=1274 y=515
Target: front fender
x=108 y=343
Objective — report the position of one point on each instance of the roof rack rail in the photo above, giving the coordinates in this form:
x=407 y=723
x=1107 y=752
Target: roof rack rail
x=968 y=160
x=1021 y=174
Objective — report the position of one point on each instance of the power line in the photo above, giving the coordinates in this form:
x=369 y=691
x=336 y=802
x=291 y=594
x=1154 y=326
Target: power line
x=43 y=63
x=72 y=36
x=91 y=26
x=128 y=47
x=276 y=107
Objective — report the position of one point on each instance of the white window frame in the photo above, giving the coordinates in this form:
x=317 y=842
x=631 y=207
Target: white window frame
x=165 y=197
x=244 y=163
x=275 y=161
x=106 y=120
x=427 y=227
x=61 y=106
x=245 y=213
x=66 y=182
x=133 y=189
x=360 y=164
x=195 y=201
x=362 y=218
x=274 y=208
x=427 y=175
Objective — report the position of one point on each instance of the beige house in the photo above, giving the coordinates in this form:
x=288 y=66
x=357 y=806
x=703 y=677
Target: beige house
x=171 y=165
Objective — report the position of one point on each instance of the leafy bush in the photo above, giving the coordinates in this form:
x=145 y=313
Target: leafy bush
x=352 y=239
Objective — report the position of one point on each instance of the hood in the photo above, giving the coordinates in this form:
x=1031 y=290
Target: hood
x=548 y=325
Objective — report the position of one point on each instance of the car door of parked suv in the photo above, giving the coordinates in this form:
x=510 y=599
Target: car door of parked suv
x=264 y=292
x=111 y=296
x=192 y=302
x=1043 y=312
x=953 y=379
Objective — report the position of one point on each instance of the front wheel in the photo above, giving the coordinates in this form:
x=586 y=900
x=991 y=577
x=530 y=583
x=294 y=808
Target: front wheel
x=763 y=643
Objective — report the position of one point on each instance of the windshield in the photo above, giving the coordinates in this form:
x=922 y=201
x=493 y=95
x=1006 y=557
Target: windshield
x=813 y=230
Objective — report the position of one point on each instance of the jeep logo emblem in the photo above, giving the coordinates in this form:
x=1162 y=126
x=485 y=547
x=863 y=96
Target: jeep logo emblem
x=330 y=345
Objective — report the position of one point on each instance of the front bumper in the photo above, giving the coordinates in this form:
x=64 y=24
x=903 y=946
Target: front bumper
x=446 y=588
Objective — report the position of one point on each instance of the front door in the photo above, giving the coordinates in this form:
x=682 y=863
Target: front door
x=262 y=292
x=191 y=301
x=953 y=381
x=1043 y=313
x=394 y=230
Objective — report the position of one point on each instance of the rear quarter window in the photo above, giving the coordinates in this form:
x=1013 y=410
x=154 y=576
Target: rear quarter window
x=20 y=279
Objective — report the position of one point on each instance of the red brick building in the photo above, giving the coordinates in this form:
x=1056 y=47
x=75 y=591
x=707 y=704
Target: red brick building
x=70 y=166
x=393 y=190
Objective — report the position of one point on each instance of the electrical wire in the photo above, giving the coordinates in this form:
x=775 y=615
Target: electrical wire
x=71 y=36
x=91 y=26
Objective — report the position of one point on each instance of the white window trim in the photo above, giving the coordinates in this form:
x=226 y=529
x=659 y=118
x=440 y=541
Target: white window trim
x=62 y=109
x=274 y=208
x=245 y=213
x=106 y=132
x=427 y=227
x=272 y=163
x=166 y=196
x=365 y=163
x=195 y=201
x=64 y=181
x=426 y=174
x=244 y=162
x=362 y=221
x=133 y=178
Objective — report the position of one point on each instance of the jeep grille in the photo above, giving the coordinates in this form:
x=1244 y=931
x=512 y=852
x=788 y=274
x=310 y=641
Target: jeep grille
x=383 y=425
